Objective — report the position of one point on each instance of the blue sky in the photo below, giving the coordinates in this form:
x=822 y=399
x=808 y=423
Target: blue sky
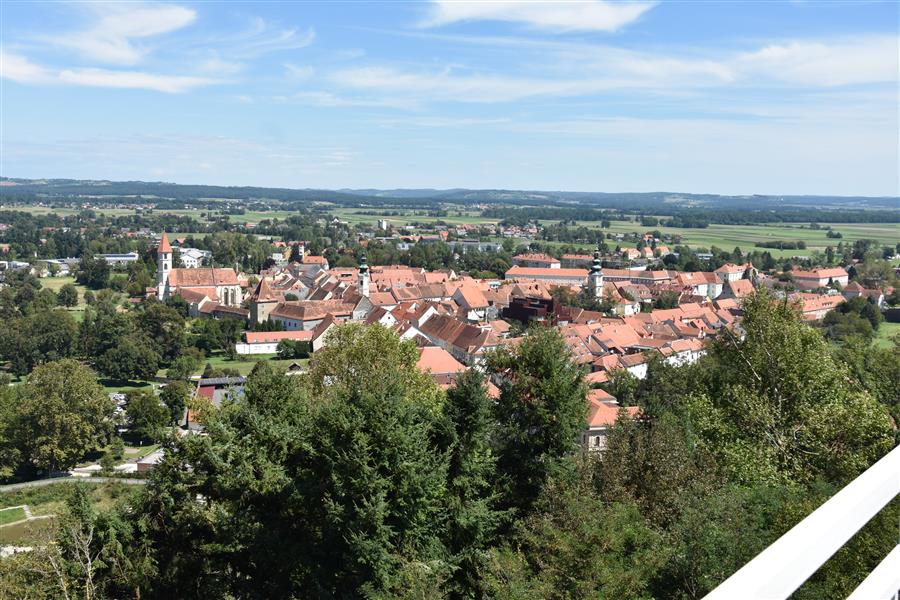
x=721 y=97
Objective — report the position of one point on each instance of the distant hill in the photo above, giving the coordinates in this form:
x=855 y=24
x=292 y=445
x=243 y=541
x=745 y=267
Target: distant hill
x=61 y=188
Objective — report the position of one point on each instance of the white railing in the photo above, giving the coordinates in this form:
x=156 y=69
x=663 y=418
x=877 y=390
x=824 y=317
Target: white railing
x=780 y=569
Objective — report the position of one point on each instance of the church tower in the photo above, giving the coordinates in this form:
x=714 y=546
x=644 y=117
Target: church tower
x=363 y=277
x=163 y=266
x=595 y=277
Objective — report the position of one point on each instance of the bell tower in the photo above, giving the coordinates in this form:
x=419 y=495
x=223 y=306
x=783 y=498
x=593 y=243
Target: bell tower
x=163 y=266
x=363 y=277
x=595 y=276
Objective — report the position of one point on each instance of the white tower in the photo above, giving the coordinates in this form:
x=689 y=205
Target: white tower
x=363 y=277
x=163 y=266
x=595 y=277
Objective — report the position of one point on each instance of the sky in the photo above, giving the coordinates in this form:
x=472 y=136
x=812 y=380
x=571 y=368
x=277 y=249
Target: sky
x=729 y=97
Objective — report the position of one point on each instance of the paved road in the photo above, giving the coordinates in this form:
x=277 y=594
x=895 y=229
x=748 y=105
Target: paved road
x=39 y=482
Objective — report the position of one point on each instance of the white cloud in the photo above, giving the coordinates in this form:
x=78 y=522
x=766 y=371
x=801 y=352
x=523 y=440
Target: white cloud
x=582 y=70
x=18 y=68
x=330 y=100
x=866 y=59
x=260 y=38
x=170 y=84
x=297 y=72
x=112 y=38
x=560 y=15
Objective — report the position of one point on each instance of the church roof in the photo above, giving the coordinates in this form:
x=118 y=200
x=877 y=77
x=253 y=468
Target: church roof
x=164 y=245
x=202 y=277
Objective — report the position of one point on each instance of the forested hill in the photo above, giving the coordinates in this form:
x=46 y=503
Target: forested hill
x=643 y=200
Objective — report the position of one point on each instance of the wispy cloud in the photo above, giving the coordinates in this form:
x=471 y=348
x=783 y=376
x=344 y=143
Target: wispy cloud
x=170 y=84
x=583 y=70
x=113 y=37
x=18 y=68
x=262 y=37
x=865 y=59
x=298 y=72
x=582 y=15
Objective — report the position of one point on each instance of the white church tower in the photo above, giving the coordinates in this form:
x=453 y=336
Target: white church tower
x=363 y=277
x=595 y=277
x=163 y=266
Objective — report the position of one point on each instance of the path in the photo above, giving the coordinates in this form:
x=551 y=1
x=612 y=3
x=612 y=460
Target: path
x=41 y=482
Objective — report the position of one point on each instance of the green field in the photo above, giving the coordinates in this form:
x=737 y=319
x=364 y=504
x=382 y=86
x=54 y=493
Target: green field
x=885 y=334
x=245 y=364
x=11 y=515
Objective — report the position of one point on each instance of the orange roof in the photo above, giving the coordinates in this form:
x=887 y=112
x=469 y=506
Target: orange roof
x=438 y=361
x=164 y=245
x=202 y=277
x=604 y=414
x=314 y=260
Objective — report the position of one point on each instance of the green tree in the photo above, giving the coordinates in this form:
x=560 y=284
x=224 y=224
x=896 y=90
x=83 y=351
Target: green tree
x=288 y=349
x=132 y=359
x=175 y=396
x=541 y=410
x=146 y=415
x=778 y=407
x=164 y=328
x=576 y=546
x=93 y=272
x=472 y=517
x=63 y=413
x=67 y=295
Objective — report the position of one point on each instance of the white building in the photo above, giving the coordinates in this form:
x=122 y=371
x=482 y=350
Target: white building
x=193 y=258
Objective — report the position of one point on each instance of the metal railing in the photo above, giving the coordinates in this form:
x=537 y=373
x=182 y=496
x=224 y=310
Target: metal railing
x=776 y=572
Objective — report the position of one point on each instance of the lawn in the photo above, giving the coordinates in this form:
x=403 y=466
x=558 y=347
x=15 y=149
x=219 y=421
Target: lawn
x=245 y=364
x=51 y=500
x=886 y=331
x=11 y=515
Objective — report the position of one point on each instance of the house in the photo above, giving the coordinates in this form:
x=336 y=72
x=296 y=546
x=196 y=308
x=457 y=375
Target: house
x=307 y=314
x=118 y=261
x=855 y=290
x=603 y=412
x=815 y=306
x=810 y=280
x=466 y=343
x=471 y=299
x=193 y=258
x=731 y=272
x=576 y=261
x=149 y=462
x=700 y=283
x=536 y=260
x=266 y=342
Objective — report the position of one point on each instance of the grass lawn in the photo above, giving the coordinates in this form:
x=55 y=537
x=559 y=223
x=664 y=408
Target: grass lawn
x=112 y=385
x=140 y=451
x=245 y=364
x=11 y=515
x=884 y=334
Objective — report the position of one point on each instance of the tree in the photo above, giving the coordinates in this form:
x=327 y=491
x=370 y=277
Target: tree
x=576 y=546
x=472 y=516
x=175 y=396
x=130 y=360
x=63 y=413
x=777 y=407
x=350 y=485
x=146 y=415
x=93 y=272
x=541 y=410
x=184 y=366
x=67 y=295
x=164 y=328
x=288 y=349
x=41 y=337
